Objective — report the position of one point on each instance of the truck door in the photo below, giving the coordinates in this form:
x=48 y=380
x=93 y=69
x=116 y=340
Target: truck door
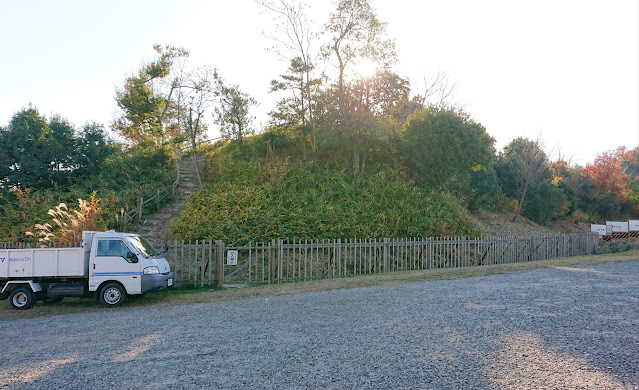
x=112 y=262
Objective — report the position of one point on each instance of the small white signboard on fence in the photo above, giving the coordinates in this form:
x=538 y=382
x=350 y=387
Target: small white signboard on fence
x=634 y=225
x=231 y=257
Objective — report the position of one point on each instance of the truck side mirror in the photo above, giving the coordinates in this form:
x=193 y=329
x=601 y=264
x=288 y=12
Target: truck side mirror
x=131 y=257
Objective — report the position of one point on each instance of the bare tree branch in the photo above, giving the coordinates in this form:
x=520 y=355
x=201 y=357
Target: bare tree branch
x=438 y=90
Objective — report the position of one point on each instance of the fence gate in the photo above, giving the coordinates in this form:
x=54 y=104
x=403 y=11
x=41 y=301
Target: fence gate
x=193 y=262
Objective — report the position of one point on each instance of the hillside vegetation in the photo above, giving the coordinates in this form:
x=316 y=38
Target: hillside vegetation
x=255 y=201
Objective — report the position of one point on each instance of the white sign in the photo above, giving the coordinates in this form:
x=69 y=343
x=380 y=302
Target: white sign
x=634 y=225
x=601 y=229
x=231 y=257
x=618 y=227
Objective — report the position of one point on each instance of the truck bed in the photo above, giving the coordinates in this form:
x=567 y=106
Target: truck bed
x=43 y=262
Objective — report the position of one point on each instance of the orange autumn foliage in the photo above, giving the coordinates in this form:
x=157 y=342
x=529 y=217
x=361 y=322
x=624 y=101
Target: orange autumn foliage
x=607 y=172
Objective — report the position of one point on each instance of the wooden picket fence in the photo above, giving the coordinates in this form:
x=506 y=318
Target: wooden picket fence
x=205 y=262
x=279 y=261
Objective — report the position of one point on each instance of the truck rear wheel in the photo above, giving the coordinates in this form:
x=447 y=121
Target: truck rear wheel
x=22 y=298
x=112 y=295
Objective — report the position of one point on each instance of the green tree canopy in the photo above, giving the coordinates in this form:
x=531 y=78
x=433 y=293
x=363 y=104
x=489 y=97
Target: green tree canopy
x=40 y=153
x=33 y=153
x=523 y=167
x=148 y=109
x=443 y=146
x=233 y=113
x=92 y=147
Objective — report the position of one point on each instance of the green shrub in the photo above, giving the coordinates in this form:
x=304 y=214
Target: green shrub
x=620 y=245
x=250 y=201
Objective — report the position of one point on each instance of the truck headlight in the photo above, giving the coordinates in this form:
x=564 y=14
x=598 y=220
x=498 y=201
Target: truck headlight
x=151 y=270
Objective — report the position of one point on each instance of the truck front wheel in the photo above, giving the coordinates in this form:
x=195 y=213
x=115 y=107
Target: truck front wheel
x=112 y=295
x=22 y=298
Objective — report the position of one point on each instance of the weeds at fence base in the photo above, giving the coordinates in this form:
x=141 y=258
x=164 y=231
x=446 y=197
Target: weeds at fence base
x=620 y=245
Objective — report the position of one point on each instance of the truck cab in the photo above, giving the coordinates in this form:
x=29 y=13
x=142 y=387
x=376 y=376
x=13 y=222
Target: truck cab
x=130 y=260
x=109 y=266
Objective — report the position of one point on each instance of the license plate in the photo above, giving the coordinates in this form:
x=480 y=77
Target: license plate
x=170 y=282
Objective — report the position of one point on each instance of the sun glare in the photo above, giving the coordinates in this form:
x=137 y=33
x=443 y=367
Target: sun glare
x=366 y=67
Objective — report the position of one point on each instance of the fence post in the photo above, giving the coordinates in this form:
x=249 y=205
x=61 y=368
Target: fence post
x=385 y=254
x=271 y=261
x=157 y=202
x=220 y=262
x=531 y=256
x=280 y=260
x=210 y=260
x=140 y=212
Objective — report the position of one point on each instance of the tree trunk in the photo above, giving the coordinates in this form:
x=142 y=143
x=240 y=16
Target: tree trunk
x=193 y=134
x=310 y=112
x=340 y=85
x=240 y=143
x=313 y=145
x=521 y=201
x=304 y=148
x=196 y=167
x=355 y=158
x=302 y=101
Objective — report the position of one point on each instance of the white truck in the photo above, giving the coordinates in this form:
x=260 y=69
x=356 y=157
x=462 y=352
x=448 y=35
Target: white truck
x=108 y=267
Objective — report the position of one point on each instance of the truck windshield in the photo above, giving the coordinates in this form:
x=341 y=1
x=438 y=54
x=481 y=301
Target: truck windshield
x=142 y=246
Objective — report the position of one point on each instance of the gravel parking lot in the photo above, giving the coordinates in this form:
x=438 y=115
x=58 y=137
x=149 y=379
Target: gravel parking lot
x=565 y=327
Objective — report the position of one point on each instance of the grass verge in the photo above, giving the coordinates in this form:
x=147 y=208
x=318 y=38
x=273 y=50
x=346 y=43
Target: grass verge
x=208 y=294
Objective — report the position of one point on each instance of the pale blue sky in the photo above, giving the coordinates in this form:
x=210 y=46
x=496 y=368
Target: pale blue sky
x=567 y=70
